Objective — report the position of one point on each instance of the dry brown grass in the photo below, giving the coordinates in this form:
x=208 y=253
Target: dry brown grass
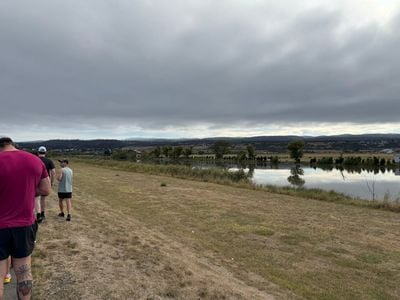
x=132 y=237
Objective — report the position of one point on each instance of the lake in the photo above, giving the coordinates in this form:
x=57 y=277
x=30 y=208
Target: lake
x=361 y=183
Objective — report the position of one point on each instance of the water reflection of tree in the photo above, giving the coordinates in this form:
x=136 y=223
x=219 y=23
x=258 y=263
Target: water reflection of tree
x=326 y=167
x=295 y=178
x=355 y=169
x=251 y=170
x=360 y=169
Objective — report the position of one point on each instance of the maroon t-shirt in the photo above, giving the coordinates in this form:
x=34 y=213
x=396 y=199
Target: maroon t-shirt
x=20 y=174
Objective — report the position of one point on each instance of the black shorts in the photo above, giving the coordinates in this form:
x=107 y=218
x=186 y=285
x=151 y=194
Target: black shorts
x=64 y=195
x=17 y=241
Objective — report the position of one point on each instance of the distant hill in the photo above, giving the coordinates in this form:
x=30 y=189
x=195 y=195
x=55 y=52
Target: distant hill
x=346 y=142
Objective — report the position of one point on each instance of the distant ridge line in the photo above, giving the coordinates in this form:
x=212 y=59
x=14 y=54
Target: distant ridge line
x=276 y=144
x=261 y=137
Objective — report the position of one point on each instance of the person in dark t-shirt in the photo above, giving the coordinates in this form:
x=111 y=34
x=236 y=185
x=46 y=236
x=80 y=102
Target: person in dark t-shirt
x=40 y=201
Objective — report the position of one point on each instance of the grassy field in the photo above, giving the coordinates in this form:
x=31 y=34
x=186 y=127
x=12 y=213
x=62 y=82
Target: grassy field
x=142 y=236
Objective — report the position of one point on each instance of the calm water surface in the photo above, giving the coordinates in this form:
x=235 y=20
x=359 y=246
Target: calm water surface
x=362 y=185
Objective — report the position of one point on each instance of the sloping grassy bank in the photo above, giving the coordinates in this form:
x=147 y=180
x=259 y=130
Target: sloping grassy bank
x=216 y=175
x=240 y=179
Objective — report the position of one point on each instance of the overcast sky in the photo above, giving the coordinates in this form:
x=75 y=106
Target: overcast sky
x=179 y=68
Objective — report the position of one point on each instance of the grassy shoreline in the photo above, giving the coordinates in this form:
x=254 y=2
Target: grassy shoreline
x=239 y=179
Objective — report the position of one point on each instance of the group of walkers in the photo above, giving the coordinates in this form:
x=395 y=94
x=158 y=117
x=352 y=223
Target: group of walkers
x=64 y=187
x=25 y=182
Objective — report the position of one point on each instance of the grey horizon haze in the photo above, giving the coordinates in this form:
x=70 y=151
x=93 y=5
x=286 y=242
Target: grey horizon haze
x=124 y=69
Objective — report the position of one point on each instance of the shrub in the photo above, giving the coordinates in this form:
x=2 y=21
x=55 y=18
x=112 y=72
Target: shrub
x=352 y=161
x=274 y=159
x=325 y=161
x=339 y=160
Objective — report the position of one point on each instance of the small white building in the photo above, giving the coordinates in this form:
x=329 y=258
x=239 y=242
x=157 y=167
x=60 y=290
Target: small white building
x=396 y=159
x=387 y=151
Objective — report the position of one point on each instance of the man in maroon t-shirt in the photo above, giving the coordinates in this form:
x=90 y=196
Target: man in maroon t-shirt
x=22 y=177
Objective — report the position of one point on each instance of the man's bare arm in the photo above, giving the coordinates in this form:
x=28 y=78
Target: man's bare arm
x=59 y=176
x=52 y=175
x=44 y=187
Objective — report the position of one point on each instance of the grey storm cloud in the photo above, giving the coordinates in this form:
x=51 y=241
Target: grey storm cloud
x=179 y=62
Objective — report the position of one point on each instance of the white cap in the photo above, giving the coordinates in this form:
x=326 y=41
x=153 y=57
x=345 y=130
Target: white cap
x=42 y=149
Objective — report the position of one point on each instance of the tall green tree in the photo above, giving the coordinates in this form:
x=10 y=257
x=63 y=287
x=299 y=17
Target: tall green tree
x=296 y=150
x=177 y=151
x=157 y=152
x=167 y=150
x=220 y=148
x=251 y=151
x=188 y=151
x=241 y=155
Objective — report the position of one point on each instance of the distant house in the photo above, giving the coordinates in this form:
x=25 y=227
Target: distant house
x=203 y=156
x=396 y=159
x=229 y=156
x=387 y=151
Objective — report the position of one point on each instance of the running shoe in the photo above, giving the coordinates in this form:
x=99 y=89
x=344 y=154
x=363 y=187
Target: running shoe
x=61 y=214
x=39 y=218
x=68 y=217
x=7 y=279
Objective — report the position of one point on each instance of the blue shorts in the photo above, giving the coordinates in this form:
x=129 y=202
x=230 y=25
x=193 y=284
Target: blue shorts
x=17 y=241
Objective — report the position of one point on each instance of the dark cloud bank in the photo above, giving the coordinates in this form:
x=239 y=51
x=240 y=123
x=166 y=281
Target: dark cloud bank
x=177 y=63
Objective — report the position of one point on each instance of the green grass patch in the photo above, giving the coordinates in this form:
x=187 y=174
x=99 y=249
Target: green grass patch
x=294 y=238
x=370 y=257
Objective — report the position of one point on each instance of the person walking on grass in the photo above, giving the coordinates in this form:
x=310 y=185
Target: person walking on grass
x=22 y=177
x=40 y=201
x=65 y=188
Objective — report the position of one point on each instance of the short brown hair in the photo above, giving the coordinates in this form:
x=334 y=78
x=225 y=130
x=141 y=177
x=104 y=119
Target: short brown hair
x=5 y=141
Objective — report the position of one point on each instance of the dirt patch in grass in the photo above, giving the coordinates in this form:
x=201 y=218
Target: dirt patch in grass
x=132 y=237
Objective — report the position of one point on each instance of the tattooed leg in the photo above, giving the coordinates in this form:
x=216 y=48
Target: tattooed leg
x=24 y=289
x=23 y=272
